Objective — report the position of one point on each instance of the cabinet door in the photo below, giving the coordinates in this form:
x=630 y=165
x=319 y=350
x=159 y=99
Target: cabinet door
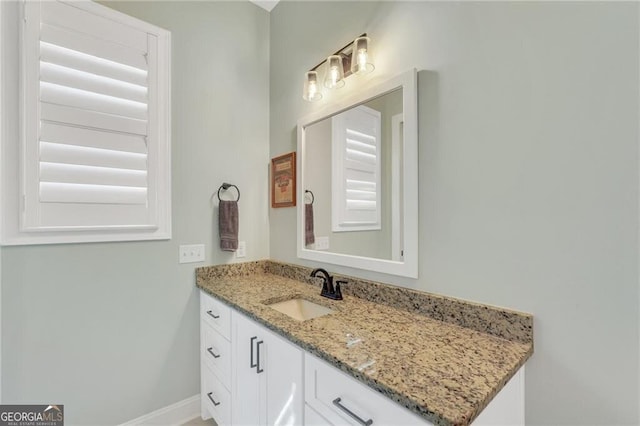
x=284 y=387
x=247 y=388
x=268 y=376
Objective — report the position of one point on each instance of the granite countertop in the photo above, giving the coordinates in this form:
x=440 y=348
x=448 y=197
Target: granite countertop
x=442 y=358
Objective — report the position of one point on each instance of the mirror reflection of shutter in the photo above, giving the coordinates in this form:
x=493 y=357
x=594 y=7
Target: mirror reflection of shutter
x=356 y=170
x=91 y=89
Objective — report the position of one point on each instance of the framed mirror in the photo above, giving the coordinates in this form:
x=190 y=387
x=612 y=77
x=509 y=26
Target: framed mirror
x=358 y=180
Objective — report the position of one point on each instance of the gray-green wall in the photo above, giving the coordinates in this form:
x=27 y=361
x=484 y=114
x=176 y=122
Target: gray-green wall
x=112 y=330
x=528 y=196
x=528 y=171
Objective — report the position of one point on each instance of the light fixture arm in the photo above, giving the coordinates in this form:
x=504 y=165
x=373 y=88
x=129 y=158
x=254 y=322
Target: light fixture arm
x=346 y=52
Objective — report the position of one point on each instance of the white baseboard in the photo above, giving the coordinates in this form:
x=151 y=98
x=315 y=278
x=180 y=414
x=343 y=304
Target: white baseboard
x=174 y=414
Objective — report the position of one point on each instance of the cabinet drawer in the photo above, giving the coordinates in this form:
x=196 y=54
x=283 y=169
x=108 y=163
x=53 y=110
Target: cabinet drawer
x=312 y=418
x=216 y=398
x=216 y=314
x=216 y=353
x=341 y=399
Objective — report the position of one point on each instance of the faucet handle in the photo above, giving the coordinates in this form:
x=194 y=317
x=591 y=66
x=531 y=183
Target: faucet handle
x=338 y=292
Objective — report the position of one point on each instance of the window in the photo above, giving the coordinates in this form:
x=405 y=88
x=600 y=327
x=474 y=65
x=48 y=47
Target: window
x=95 y=155
x=356 y=165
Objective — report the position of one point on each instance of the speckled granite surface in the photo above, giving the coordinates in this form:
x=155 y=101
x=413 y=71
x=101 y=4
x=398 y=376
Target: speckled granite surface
x=442 y=358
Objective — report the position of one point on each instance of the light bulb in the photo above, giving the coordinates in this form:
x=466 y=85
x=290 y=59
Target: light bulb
x=362 y=62
x=313 y=89
x=334 y=77
x=311 y=92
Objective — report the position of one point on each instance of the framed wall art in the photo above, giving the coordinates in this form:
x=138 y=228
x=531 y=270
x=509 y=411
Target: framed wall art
x=283 y=180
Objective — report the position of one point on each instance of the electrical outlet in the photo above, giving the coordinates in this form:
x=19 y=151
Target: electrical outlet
x=242 y=249
x=322 y=243
x=191 y=253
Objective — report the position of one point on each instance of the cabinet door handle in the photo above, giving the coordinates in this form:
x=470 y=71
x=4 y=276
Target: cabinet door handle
x=213 y=400
x=253 y=364
x=353 y=415
x=213 y=315
x=258 y=369
x=210 y=350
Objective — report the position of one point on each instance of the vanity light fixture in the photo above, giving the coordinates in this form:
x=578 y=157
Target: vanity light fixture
x=354 y=58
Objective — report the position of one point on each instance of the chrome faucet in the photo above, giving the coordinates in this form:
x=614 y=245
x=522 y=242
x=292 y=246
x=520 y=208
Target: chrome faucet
x=328 y=290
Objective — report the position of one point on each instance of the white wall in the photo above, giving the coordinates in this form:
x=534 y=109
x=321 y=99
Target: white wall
x=528 y=171
x=112 y=330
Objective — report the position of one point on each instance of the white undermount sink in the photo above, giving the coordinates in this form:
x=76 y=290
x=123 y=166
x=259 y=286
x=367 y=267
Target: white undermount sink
x=300 y=309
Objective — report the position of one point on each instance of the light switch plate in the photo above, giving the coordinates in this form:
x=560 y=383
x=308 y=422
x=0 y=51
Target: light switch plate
x=242 y=249
x=322 y=243
x=191 y=253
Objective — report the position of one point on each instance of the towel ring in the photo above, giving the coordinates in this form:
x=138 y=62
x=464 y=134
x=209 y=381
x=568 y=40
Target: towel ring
x=226 y=186
x=312 y=197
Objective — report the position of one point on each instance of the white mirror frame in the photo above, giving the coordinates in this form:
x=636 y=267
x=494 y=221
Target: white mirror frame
x=409 y=266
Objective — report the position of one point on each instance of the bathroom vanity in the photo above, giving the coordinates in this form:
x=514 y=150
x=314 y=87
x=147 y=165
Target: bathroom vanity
x=383 y=355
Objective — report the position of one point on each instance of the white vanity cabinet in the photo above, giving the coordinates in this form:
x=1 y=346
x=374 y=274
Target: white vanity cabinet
x=268 y=387
x=507 y=407
x=249 y=375
x=252 y=376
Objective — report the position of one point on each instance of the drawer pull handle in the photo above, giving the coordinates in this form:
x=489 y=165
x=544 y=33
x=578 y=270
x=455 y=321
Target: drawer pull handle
x=252 y=364
x=258 y=369
x=213 y=400
x=353 y=415
x=210 y=350
x=213 y=315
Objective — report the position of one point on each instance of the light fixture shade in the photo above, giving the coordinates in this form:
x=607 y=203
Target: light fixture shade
x=311 y=89
x=362 y=57
x=334 y=76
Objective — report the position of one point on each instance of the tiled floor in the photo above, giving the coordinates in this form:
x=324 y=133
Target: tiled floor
x=199 y=422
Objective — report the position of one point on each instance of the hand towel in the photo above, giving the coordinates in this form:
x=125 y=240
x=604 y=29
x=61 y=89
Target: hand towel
x=309 y=238
x=228 y=225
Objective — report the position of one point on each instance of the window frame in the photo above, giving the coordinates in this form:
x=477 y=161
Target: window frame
x=14 y=143
x=342 y=218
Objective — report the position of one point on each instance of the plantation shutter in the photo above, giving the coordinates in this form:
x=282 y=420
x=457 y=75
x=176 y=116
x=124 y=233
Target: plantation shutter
x=356 y=157
x=92 y=139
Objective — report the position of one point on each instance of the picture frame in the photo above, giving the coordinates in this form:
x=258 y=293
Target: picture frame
x=283 y=180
